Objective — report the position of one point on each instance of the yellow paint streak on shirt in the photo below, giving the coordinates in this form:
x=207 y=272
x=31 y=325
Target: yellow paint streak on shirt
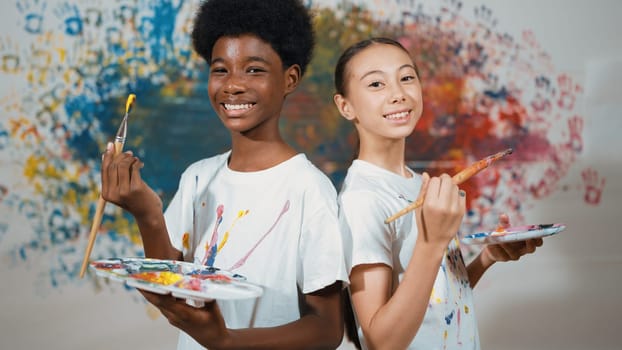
x=223 y=241
x=225 y=238
x=185 y=240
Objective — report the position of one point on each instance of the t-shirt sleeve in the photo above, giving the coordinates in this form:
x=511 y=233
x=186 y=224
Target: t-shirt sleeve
x=363 y=219
x=321 y=247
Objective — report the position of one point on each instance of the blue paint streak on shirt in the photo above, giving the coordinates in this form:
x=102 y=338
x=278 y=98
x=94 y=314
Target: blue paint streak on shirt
x=449 y=317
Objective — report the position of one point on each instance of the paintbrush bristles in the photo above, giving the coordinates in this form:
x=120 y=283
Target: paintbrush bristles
x=478 y=166
x=129 y=103
x=459 y=178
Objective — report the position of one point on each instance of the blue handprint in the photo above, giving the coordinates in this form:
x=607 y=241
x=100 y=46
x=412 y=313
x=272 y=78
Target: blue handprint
x=33 y=14
x=70 y=15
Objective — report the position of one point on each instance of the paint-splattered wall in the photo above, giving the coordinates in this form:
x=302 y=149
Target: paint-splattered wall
x=66 y=68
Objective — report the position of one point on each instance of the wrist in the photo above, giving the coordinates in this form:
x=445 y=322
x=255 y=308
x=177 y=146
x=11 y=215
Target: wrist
x=149 y=218
x=223 y=341
x=431 y=249
x=485 y=259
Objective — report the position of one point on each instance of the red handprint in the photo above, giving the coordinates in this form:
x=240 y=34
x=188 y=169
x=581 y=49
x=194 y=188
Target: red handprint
x=546 y=185
x=575 y=126
x=568 y=90
x=540 y=104
x=594 y=185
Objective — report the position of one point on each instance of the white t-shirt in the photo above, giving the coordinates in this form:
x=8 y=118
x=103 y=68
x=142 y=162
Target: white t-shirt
x=278 y=227
x=371 y=194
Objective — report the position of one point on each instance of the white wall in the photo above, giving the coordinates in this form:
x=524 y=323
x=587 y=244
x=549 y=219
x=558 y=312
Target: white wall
x=567 y=295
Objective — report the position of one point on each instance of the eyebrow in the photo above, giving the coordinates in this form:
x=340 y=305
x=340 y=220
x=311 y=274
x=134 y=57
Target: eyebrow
x=249 y=59
x=379 y=71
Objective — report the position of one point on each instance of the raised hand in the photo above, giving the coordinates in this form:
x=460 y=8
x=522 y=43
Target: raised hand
x=443 y=208
x=123 y=185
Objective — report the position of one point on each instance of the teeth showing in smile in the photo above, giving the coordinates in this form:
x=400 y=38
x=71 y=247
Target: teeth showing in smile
x=396 y=116
x=231 y=107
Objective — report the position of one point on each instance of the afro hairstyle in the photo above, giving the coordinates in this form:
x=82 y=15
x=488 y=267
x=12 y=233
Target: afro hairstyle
x=284 y=24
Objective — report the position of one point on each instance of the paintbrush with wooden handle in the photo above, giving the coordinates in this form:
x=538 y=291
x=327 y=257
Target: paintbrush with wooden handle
x=119 y=141
x=459 y=178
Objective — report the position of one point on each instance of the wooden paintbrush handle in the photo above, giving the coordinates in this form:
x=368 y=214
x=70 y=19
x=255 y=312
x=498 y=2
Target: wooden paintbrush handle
x=457 y=179
x=97 y=220
x=412 y=206
x=101 y=203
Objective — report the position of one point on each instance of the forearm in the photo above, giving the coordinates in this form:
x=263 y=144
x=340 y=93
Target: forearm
x=319 y=328
x=154 y=235
x=309 y=332
x=477 y=267
x=398 y=321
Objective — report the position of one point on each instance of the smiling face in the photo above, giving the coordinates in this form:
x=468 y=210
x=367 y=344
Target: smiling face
x=383 y=93
x=248 y=84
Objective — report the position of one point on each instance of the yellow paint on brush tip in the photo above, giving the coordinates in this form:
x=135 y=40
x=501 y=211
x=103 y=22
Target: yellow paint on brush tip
x=130 y=101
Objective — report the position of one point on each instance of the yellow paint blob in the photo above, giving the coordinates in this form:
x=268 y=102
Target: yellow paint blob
x=185 y=240
x=165 y=277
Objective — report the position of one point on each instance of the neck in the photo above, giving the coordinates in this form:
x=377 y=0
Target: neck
x=249 y=154
x=387 y=154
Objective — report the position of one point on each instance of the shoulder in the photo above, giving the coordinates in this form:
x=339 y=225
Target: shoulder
x=367 y=189
x=309 y=176
x=361 y=185
x=206 y=165
x=361 y=192
x=362 y=201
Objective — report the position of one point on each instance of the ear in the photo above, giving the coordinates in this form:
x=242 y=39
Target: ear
x=344 y=107
x=292 y=78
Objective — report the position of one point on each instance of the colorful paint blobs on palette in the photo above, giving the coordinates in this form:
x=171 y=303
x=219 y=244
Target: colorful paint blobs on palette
x=513 y=234
x=164 y=278
x=71 y=64
x=182 y=279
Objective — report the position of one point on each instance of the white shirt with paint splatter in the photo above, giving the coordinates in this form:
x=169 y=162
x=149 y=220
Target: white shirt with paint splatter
x=278 y=227
x=369 y=195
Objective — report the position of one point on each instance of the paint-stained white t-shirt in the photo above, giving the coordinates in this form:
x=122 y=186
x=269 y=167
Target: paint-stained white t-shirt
x=277 y=227
x=371 y=194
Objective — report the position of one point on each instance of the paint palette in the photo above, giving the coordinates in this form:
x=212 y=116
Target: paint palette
x=194 y=282
x=513 y=234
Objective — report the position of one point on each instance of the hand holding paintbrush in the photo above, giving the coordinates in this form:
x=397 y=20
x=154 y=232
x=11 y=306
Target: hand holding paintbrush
x=459 y=178
x=119 y=141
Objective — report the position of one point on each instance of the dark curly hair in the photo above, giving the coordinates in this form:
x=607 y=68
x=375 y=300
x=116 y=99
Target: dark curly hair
x=284 y=24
